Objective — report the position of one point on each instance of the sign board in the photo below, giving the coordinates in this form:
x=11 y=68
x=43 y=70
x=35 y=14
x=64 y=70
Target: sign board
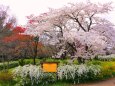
x=49 y=66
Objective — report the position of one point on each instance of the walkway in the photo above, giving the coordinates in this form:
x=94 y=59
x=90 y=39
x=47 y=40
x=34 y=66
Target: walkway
x=110 y=82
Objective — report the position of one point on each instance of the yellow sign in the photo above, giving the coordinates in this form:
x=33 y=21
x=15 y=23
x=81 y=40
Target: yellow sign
x=49 y=67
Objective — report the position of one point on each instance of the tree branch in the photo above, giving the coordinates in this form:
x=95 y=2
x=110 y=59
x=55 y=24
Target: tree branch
x=76 y=19
x=72 y=46
x=90 y=22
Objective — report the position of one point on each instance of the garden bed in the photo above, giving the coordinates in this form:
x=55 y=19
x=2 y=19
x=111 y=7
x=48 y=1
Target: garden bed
x=68 y=74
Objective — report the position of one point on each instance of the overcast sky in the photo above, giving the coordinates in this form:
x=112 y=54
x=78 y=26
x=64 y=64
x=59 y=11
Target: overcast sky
x=23 y=8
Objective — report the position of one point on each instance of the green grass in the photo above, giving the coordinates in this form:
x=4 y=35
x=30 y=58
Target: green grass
x=13 y=64
x=13 y=83
x=61 y=84
x=8 y=83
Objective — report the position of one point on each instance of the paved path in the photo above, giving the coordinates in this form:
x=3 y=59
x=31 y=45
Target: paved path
x=110 y=82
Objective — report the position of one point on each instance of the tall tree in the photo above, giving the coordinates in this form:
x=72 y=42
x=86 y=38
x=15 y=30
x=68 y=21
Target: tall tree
x=7 y=22
x=70 y=25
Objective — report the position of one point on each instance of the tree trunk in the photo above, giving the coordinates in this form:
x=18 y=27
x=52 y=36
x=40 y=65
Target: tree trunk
x=81 y=60
x=36 y=39
x=34 y=60
x=35 y=52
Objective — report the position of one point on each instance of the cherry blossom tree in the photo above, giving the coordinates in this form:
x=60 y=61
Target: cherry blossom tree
x=73 y=28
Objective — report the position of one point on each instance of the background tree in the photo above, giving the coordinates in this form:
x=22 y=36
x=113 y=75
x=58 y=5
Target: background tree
x=7 y=22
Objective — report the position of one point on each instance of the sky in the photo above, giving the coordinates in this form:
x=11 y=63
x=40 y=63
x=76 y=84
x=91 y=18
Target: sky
x=23 y=8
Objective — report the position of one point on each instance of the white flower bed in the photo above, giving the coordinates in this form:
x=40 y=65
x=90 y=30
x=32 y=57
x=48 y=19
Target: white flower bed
x=34 y=75
x=107 y=57
x=77 y=72
x=30 y=72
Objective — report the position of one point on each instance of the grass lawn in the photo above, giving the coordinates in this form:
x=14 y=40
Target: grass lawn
x=7 y=83
x=13 y=83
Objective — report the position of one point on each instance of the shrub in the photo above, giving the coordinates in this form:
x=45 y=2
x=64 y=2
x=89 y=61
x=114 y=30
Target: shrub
x=47 y=78
x=28 y=74
x=21 y=62
x=107 y=57
x=108 y=69
x=11 y=64
x=28 y=61
x=31 y=75
x=6 y=76
x=78 y=72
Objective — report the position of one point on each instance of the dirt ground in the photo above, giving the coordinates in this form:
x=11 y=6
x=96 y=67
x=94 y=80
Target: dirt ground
x=109 y=82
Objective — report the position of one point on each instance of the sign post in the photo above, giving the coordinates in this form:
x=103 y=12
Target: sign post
x=50 y=67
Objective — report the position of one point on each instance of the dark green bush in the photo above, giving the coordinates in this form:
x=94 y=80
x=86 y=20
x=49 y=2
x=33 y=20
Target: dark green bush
x=11 y=64
x=21 y=62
